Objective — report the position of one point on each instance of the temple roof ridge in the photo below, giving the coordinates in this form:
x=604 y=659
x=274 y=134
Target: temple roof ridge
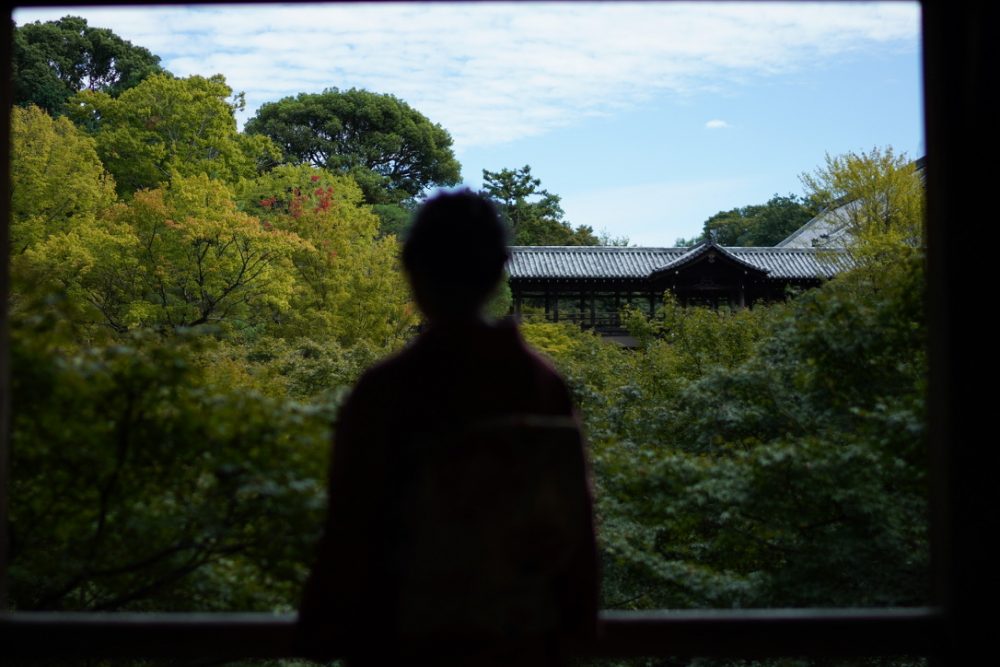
x=621 y=262
x=703 y=248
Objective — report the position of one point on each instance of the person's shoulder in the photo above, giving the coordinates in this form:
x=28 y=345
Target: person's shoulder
x=548 y=380
x=400 y=369
x=544 y=365
x=381 y=373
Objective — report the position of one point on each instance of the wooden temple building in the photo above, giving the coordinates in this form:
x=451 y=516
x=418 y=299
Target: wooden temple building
x=590 y=284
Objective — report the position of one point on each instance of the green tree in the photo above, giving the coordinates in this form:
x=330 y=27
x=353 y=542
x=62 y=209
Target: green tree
x=170 y=258
x=760 y=224
x=761 y=458
x=605 y=238
x=54 y=60
x=349 y=285
x=533 y=215
x=392 y=150
x=166 y=126
x=766 y=457
x=798 y=477
x=878 y=196
x=165 y=490
x=57 y=180
x=394 y=219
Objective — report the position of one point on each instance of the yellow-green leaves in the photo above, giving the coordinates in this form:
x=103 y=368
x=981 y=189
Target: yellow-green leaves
x=204 y=262
x=878 y=196
x=296 y=254
x=167 y=125
x=58 y=182
x=174 y=257
x=349 y=287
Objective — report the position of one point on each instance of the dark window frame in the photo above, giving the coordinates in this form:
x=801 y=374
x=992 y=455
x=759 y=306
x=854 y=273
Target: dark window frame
x=961 y=49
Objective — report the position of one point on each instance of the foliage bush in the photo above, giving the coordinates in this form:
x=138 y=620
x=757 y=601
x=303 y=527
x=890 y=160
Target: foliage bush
x=766 y=457
x=139 y=485
x=178 y=355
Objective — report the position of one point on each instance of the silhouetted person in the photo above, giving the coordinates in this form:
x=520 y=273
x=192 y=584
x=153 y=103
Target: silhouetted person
x=459 y=528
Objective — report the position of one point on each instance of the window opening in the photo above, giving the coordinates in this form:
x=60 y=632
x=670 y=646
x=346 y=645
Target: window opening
x=568 y=309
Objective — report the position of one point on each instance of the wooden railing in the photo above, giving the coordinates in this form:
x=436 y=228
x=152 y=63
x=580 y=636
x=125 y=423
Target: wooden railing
x=744 y=633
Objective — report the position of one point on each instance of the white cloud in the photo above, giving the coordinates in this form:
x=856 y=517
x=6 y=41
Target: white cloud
x=717 y=124
x=493 y=73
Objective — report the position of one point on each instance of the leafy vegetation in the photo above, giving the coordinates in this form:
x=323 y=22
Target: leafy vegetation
x=59 y=183
x=187 y=315
x=533 y=215
x=166 y=126
x=54 y=60
x=736 y=468
x=162 y=490
x=185 y=321
x=178 y=356
x=760 y=224
x=879 y=197
x=392 y=150
x=774 y=456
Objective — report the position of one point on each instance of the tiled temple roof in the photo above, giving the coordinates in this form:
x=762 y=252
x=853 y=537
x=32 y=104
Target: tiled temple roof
x=596 y=262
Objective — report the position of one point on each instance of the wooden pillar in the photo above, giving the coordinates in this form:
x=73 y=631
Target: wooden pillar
x=652 y=304
x=593 y=309
x=555 y=308
x=6 y=53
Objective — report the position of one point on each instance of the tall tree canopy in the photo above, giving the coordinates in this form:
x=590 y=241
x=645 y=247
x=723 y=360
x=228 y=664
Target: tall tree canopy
x=769 y=456
x=58 y=182
x=348 y=284
x=392 y=150
x=142 y=484
x=55 y=59
x=167 y=125
x=758 y=457
x=174 y=257
x=533 y=214
x=760 y=224
x=878 y=196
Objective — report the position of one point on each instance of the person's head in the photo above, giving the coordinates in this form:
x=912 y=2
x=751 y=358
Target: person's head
x=454 y=255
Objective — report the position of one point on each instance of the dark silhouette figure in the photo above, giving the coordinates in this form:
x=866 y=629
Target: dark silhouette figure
x=460 y=528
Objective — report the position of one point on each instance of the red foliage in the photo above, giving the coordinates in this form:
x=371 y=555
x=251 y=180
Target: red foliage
x=320 y=199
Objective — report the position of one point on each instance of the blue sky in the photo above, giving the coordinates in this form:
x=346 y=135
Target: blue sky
x=645 y=118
